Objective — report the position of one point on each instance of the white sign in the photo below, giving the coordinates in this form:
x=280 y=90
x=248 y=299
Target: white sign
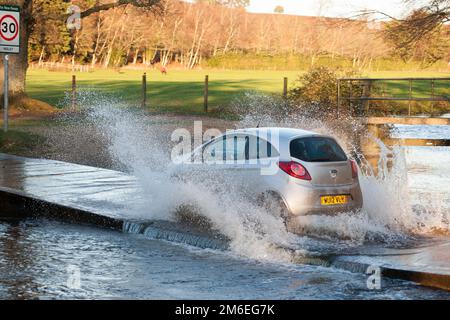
x=9 y=29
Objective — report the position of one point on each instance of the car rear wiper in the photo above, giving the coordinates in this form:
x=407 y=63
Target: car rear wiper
x=320 y=160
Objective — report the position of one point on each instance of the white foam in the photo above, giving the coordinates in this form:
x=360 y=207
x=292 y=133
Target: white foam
x=388 y=214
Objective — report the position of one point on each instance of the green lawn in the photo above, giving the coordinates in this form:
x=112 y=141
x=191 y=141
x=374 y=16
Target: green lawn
x=180 y=91
x=18 y=141
x=419 y=88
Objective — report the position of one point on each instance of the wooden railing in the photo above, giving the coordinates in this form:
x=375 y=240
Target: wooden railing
x=363 y=91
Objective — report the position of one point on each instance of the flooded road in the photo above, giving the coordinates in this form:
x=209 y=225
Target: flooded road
x=428 y=167
x=37 y=259
x=40 y=258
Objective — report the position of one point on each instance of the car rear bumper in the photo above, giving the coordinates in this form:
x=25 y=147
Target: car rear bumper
x=305 y=199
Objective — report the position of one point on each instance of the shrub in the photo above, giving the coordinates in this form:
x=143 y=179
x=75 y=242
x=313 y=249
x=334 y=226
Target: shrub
x=317 y=90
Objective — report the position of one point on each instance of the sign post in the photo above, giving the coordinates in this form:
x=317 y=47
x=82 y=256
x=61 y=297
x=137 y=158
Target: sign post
x=5 y=91
x=9 y=44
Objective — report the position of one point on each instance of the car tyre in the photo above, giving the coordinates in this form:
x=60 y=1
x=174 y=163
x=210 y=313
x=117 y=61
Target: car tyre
x=274 y=204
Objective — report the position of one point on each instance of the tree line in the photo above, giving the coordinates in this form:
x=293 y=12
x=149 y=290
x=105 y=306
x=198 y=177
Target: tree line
x=188 y=33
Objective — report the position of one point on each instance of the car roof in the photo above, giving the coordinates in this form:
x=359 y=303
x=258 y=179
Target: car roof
x=284 y=133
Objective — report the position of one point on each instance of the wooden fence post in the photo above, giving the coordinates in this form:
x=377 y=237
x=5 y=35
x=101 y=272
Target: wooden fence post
x=74 y=92
x=338 y=99
x=432 y=97
x=206 y=93
x=144 y=90
x=285 y=87
x=410 y=97
x=366 y=94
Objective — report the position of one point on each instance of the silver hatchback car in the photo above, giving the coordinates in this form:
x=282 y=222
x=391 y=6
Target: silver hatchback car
x=302 y=172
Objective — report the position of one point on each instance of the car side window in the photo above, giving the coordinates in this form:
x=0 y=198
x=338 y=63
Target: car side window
x=240 y=148
x=261 y=149
x=228 y=148
x=214 y=151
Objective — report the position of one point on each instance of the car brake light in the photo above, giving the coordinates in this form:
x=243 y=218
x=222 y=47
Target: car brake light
x=295 y=170
x=354 y=169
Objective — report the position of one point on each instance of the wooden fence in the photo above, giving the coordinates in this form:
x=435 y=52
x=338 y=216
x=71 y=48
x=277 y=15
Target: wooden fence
x=364 y=91
x=144 y=92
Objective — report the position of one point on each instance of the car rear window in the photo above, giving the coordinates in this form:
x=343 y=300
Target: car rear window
x=317 y=149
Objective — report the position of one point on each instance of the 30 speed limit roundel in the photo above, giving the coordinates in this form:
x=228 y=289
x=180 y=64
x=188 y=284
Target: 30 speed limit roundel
x=9 y=27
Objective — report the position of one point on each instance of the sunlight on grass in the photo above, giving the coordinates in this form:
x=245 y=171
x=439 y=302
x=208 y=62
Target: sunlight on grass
x=179 y=90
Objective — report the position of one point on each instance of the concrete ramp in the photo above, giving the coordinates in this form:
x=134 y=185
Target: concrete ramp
x=99 y=191
x=428 y=265
x=83 y=194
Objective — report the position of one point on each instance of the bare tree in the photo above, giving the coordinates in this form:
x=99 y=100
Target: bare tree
x=422 y=22
x=279 y=9
x=19 y=62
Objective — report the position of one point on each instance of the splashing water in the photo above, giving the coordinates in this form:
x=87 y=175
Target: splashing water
x=390 y=202
x=388 y=214
x=390 y=209
x=141 y=149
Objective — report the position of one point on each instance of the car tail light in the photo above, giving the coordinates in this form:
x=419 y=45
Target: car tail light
x=295 y=170
x=354 y=169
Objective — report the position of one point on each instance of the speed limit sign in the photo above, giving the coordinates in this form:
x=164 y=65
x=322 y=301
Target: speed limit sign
x=9 y=29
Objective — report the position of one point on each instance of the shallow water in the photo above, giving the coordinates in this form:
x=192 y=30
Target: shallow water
x=421 y=131
x=35 y=256
x=428 y=167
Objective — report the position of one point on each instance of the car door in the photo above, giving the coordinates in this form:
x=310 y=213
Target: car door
x=262 y=163
x=250 y=162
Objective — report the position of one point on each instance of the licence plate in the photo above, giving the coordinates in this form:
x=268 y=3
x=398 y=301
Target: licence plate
x=333 y=200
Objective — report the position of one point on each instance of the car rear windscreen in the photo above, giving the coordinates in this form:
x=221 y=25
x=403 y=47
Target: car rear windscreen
x=317 y=149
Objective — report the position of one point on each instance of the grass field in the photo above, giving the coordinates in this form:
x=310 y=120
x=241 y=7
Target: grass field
x=18 y=141
x=182 y=91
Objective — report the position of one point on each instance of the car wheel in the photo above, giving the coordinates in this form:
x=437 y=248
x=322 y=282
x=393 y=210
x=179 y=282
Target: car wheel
x=274 y=204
